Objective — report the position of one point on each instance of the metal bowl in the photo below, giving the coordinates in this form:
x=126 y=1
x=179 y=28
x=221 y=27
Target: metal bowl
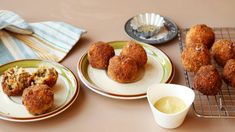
x=147 y=25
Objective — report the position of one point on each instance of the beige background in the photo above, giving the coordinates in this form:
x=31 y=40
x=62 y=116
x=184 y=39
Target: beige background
x=104 y=20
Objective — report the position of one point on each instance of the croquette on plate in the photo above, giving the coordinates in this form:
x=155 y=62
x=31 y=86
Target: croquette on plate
x=136 y=52
x=45 y=75
x=200 y=33
x=207 y=80
x=195 y=56
x=15 y=80
x=38 y=99
x=99 y=54
x=229 y=72
x=122 y=69
x=223 y=50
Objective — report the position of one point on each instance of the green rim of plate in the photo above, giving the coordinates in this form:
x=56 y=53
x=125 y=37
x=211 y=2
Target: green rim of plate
x=168 y=69
x=71 y=80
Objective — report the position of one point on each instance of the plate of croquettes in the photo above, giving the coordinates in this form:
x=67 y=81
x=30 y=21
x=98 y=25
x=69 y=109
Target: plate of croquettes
x=124 y=69
x=33 y=90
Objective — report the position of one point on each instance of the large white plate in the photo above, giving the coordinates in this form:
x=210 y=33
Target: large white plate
x=159 y=69
x=65 y=91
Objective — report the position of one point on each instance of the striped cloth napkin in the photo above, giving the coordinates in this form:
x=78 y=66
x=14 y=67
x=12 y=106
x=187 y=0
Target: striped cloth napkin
x=43 y=40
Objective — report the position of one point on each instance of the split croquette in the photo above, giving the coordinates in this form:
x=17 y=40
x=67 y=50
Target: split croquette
x=123 y=69
x=223 y=50
x=200 y=33
x=15 y=80
x=195 y=56
x=136 y=52
x=229 y=72
x=38 y=99
x=45 y=75
x=207 y=80
x=99 y=54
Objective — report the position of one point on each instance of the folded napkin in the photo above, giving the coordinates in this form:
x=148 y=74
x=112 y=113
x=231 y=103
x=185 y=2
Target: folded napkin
x=43 y=40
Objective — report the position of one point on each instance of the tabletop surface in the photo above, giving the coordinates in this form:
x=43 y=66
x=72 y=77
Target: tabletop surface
x=104 y=20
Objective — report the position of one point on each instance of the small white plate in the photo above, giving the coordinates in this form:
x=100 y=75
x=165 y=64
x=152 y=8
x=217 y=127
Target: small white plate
x=159 y=68
x=65 y=91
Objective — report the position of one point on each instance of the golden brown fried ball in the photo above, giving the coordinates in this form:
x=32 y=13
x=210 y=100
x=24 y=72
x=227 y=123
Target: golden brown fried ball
x=45 y=75
x=195 y=56
x=136 y=52
x=122 y=69
x=229 y=72
x=38 y=99
x=99 y=54
x=207 y=80
x=200 y=33
x=223 y=50
x=15 y=80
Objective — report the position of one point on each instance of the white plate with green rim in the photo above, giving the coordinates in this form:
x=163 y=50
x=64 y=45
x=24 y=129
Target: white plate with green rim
x=159 y=69
x=66 y=91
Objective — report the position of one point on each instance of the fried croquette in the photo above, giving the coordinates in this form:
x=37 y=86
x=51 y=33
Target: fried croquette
x=99 y=54
x=136 y=52
x=200 y=33
x=45 y=75
x=195 y=56
x=207 y=80
x=15 y=80
x=229 y=72
x=122 y=69
x=223 y=50
x=38 y=99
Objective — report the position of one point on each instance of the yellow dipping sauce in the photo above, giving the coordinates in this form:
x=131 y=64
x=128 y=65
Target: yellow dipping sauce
x=170 y=104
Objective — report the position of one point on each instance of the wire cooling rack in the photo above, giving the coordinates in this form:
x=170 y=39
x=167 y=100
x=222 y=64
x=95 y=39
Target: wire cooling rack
x=223 y=104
